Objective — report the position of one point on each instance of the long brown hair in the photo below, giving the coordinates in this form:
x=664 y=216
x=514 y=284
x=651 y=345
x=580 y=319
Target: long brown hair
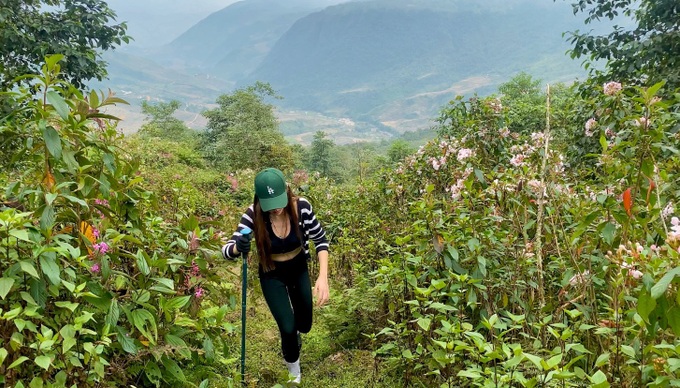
x=262 y=241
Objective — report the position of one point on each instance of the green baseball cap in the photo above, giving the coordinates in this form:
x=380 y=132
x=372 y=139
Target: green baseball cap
x=270 y=188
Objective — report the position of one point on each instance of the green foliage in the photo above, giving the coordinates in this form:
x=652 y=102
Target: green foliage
x=95 y=288
x=643 y=54
x=32 y=29
x=319 y=159
x=461 y=283
x=243 y=132
x=162 y=124
x=399 y=149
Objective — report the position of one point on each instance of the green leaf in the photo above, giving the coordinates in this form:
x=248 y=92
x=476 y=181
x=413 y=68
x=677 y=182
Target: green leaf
x=153 y=372
x=142 y=264
x=662 y=285
x=18 y=362
x=599 y=380
x=608 y=233
x=43 y=362
x=472 y=374
x=59 y=104
x=3 y=355
x=673 y=317
x=5 y=286
x=76 y=200
x=177 y=303
x=173 y=369
x=68 y=305
x=37 y=382
x=603 y=359
x=28 y=267
x=113 y=315
x=52 y=141
x=424 y=323
x=534 y=360
x=20 y=234
x=645 y=305
x=109 y=162
x=47 y=218
x=127 y=343
x=48 y=265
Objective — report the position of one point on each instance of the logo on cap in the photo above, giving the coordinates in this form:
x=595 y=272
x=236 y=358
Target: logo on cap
x=270 y=190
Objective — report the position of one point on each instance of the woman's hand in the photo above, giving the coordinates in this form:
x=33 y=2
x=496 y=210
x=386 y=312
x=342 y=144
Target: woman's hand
x=321 y=291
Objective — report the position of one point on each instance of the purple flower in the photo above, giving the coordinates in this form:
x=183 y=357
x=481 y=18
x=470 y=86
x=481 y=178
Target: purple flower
x=199 y=292
x=95 y=268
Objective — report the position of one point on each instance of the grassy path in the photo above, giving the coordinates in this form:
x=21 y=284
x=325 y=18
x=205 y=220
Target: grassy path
x=321 y=365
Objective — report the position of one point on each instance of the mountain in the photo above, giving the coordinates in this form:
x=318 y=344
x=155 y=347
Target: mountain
x=368 y=60
x=359 y=69
x=234 y=40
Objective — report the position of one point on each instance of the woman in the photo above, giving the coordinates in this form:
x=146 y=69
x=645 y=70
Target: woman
x=283 y=225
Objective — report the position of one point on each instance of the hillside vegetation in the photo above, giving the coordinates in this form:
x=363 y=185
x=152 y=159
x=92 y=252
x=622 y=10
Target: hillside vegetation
x=533 y=242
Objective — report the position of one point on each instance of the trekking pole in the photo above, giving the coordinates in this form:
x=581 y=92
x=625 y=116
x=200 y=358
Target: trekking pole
x=244 y=276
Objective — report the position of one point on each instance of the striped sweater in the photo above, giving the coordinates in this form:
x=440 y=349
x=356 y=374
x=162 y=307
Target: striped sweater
x=310 y=226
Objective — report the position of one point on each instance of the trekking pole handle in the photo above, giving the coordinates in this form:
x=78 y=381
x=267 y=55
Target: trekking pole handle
x=244 y=277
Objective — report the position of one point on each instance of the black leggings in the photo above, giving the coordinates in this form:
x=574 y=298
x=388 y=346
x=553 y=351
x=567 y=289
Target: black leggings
x=288 y=293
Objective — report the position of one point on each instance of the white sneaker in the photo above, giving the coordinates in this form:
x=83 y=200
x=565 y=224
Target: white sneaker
x=294 y=375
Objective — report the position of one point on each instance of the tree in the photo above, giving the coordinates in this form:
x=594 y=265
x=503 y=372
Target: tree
x=525 y=103
x=643 y=55
x=161 y=122
x=243 y=131
x=320 y=153
x=78 y=29
x=399 y=149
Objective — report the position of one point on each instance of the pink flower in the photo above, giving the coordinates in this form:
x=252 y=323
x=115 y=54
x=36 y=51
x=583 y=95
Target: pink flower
x=101 y=248
x=435 y=164
x=464 y=153
x=199 y=292
x=675 y=221
x=668 y=210
x=579 y=278
x=609 y=133
x=195 y=271
x=635 y=273
x=95 y=233
x=95 y=268
x=517 y=160
x=590 y=126
x=612 y=88
x=655 y=248
x=641 y=122
x=504 y=132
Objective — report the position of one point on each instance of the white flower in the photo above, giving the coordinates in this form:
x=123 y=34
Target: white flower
x=504 y=132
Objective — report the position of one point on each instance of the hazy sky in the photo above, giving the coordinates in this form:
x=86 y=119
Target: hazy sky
x=157 y=22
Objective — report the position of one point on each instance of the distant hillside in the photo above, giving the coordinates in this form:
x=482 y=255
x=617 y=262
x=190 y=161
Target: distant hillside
x=399 y=60
x=358 y=69
x=232 y=42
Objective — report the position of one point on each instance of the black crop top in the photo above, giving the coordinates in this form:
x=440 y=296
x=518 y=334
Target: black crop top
x=286 y=244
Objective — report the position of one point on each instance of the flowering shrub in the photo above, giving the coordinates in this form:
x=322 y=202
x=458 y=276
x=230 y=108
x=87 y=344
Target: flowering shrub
x=504 y=265
x=92 y=281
